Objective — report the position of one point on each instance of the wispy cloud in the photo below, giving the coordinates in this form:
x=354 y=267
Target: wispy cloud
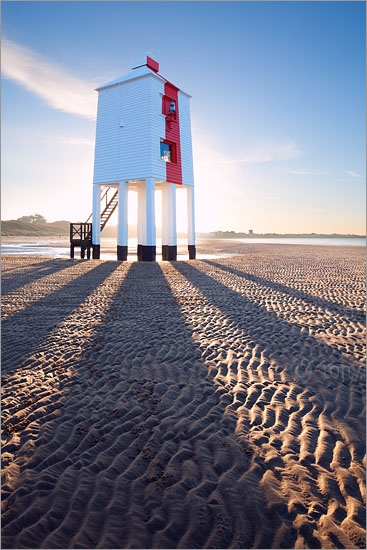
x=354 y=174
x=325 y=174
x=267 y=154
x=59 y=89
x=305 y=173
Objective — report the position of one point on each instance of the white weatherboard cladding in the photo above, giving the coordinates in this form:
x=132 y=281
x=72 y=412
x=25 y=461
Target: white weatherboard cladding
x=130 y=125
x=185 y=139
x=107 y=136
x=134 y=136
x=158 y=129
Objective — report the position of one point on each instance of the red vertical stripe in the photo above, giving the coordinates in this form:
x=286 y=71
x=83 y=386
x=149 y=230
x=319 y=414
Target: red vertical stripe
x=173 y=169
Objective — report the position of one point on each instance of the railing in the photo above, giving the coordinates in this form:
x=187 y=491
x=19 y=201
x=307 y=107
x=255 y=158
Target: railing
x=80 y=232
x=109 y=210
x=103 y=196
x=81 y=235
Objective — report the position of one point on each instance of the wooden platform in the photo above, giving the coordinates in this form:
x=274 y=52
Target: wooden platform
x=81 y=236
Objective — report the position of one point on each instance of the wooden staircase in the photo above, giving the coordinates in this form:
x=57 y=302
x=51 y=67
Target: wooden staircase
x=109 y=208
x=81 y=233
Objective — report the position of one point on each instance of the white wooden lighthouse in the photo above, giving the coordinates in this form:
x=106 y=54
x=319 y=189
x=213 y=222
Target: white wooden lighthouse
x=143 y=143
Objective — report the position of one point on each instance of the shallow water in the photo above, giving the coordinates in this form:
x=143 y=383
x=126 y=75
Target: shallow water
x=60 y=248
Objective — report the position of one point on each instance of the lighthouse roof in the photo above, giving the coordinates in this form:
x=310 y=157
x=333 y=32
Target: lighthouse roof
x=140 y=68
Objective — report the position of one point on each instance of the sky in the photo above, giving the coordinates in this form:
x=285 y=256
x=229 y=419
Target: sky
x=277 y=109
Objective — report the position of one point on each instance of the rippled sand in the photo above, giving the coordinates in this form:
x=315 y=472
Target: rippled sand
x=201 y=404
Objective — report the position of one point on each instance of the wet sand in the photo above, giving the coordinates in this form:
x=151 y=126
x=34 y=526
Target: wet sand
x=108 y=246
x=201 y=404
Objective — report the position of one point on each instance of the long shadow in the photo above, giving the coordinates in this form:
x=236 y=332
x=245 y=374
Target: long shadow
x=302 y=359
x=42 y=269
x=264 y=326
x=143 y=453
x=26 y=267
x=24 y=331
x=293 y=292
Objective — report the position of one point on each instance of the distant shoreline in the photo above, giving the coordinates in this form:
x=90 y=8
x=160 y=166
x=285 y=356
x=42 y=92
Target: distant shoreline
x=230 y=235
x=60 y=229
x=209 y=236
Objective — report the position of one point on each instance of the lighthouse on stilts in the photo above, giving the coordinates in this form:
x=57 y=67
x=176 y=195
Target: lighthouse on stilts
x=143 y=143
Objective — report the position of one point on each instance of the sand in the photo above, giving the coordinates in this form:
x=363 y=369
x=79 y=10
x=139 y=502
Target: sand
x=201 y=404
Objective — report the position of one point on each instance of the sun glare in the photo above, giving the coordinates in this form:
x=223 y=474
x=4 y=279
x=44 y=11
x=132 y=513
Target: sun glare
x=181 y=210
x=132 y=208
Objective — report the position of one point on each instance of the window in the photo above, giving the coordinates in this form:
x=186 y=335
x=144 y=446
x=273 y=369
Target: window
x=168 y=151
x=169 y=107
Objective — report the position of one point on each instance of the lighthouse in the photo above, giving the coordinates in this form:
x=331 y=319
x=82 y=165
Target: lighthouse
x=143 y=143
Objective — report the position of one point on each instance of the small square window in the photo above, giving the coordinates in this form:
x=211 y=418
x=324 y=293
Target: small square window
x=169 y=107
x=166 y=152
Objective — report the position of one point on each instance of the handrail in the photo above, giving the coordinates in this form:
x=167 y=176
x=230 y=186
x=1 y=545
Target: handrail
x=80 y=231
x=106 y=214
x=103 y=196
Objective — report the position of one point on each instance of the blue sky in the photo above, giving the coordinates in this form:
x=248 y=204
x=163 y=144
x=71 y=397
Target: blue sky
x=278 y=107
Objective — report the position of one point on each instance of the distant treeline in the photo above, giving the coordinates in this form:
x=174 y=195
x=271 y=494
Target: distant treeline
x=235 y=235
x=34 y=226
x=37 y=226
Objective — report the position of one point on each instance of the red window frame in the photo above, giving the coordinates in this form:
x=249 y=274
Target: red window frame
x=166 y=101
x=173 y=147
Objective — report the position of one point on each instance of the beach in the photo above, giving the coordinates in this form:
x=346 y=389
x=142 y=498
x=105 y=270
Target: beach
x=198 y=404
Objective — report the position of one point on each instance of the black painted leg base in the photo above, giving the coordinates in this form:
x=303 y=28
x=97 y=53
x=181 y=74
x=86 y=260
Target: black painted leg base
x=146 y=253
x=138 y=252
x=122 y=253
x=169 y=252
x=192 y=251
x=96 y=251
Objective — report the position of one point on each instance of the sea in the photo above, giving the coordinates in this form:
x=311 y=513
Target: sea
x=60 y=248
